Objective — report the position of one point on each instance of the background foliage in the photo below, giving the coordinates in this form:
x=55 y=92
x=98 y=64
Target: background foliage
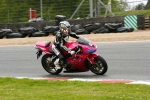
x=12 y=11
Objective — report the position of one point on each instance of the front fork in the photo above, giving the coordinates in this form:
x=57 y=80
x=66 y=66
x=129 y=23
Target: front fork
x=91 y=57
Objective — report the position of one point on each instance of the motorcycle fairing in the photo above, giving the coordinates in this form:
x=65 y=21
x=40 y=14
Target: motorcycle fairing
x=77 y=61
x=43 y=47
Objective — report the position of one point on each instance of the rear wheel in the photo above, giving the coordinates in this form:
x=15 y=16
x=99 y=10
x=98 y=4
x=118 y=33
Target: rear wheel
x=100 y=67
x=49 y=66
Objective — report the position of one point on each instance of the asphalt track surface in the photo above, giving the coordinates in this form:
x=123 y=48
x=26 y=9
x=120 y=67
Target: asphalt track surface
x=126 y=61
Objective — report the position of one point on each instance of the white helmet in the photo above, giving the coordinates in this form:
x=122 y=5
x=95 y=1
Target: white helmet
x=64 y=27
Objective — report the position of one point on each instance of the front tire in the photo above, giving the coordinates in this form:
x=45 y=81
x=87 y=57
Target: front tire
x=100 y=67
x=49 y=66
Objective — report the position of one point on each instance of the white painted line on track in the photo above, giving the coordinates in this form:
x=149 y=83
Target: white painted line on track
x=111 y=81
x=141 y=82
x=125 y=41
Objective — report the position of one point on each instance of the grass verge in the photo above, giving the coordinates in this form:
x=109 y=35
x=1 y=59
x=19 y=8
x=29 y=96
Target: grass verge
x=26 y=89
x=146 y=13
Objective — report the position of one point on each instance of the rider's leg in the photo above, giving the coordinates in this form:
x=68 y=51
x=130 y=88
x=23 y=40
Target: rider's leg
x=59 y=61
x=60 y=58
x=56 y=63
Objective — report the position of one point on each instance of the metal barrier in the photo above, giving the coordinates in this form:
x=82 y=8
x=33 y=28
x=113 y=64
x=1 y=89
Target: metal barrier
x=40 y=25
x=131 y=21
x=137 y=22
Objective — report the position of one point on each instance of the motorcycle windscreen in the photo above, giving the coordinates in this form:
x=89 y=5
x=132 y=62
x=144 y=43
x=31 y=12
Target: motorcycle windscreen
x=84 y=41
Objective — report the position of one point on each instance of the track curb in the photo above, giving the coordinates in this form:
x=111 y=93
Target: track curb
x=108 y=81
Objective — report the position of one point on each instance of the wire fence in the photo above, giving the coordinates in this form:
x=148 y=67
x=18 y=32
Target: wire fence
x=12 y=12
x=17 y=12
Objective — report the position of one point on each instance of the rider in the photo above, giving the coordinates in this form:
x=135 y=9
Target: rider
x=61 y=38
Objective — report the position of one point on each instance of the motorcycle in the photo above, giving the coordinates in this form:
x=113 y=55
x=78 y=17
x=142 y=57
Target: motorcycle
x=85 y=59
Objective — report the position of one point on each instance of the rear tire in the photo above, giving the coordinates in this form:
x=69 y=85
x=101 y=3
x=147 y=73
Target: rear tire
x=100 y=67
x=49 y=66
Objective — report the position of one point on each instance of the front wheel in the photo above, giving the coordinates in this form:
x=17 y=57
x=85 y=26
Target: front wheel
x=100 y=67
x=49 y=66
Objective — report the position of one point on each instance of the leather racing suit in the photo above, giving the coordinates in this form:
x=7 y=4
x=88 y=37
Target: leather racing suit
x=59 y=45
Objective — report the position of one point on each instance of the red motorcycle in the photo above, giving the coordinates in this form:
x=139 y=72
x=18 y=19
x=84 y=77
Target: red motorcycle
x=83 y=60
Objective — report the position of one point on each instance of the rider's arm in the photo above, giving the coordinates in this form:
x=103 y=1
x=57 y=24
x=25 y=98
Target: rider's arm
x=74 y=35
x=60 y=42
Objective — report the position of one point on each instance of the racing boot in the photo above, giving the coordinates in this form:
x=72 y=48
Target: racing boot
x=63 y=63
x=56 y=63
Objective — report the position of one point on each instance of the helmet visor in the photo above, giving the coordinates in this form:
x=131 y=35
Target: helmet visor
x=65 y=31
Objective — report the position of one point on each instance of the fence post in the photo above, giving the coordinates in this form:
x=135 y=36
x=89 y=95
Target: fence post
x=141 y=22
x=149 y=22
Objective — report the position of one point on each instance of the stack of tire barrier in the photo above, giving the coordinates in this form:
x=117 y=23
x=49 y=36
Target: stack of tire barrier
x=118 y=27
x=50 y=30
x=96 y=28
x=59 y=18
x=78 y=30
x=22 y=33
x=32 y=32
x=92 y=27
x=109 y=28
x=5 y=33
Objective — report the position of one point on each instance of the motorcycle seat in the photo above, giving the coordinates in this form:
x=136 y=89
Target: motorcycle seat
x=47 y=44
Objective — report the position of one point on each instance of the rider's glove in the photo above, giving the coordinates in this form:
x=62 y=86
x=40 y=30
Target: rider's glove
x=72 y=52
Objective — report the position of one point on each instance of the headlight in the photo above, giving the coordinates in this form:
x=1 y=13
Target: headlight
x=96 y=46
x=90 y=44
x=90 y=51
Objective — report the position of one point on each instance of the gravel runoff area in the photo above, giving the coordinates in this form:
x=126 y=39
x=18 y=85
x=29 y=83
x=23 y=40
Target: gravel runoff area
x=138 y=35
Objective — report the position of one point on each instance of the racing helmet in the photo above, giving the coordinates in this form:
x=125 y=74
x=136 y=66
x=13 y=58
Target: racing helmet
x=64 y=27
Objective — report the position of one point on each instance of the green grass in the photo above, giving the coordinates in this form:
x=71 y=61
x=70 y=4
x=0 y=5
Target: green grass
x=25 y=89
x=146 y=13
